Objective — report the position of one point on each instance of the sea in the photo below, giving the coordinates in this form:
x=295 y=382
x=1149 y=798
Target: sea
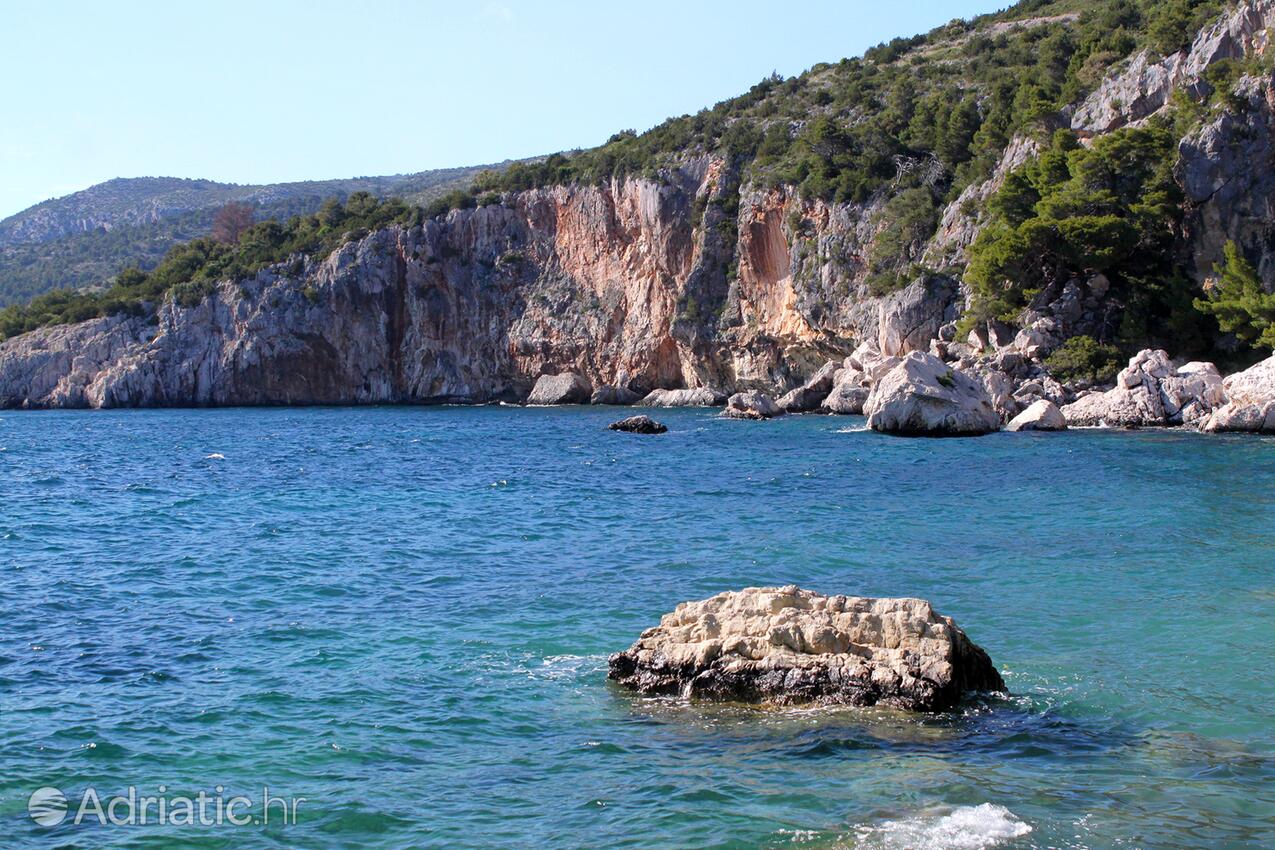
x=388 y=627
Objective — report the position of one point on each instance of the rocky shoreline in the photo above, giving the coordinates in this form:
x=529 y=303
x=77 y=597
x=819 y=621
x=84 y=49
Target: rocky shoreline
x=923 y=394
x=693 y=286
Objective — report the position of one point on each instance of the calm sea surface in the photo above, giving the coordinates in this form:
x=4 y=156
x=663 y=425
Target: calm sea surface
x=402 y=615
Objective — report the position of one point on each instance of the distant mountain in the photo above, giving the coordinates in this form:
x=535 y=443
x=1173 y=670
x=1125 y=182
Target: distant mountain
x=83 y=239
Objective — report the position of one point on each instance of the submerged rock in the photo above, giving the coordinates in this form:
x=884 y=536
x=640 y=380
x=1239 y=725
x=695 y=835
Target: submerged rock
x=788 y=646
x=923 y=396
x=638 y=425
x=566 y=388
x=1041 y=415
x=697 y=397
x=753 y=405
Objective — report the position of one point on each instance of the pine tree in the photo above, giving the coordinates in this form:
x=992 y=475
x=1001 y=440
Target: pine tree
x=1239 y=302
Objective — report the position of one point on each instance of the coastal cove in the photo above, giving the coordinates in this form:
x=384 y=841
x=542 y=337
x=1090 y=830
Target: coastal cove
x=403 y=615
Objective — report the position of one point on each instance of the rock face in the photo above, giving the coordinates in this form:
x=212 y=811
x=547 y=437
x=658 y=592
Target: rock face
x=923 y=396
x=1250 y=404
x=1142 y=87
x=1151 y=392
x=1042 y=415
x=614 y=396
x=751 y=405
x=788 y=646
x=810 y=395
x=698 y=397
x=638 y=425
x=853 y=382
x=849 y=393
x=567 y=388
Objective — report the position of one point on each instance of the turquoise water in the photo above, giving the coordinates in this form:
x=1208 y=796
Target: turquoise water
x=402 y=615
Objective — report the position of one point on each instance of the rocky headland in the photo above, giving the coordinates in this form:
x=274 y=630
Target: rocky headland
x=699 y=287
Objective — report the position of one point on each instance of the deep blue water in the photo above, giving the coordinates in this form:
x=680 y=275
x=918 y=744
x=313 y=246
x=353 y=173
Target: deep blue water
x=402 y=615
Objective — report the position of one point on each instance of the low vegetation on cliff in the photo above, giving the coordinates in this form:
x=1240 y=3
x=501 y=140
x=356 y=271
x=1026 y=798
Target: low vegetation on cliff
x=189 y=271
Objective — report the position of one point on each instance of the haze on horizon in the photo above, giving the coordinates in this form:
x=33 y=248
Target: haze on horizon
x=259 y=93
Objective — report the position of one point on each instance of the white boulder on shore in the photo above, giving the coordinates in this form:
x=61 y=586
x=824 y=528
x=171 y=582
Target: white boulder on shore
x=789 y=646
x=1151 y=391
x=1250 y=401
x=923 y=396
x=614 y=395
x=1042 y=415
x=565 y=388
x=751 y=405
x=695 y=397
x=812 y=393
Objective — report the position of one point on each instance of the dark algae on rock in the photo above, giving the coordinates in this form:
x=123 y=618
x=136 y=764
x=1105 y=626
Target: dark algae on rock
x=788 y=646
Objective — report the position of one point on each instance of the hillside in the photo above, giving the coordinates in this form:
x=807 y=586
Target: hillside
x=84 y=238
x=1033 y=195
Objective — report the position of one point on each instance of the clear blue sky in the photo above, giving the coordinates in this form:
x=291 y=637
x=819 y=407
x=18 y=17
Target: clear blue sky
x=254 y=92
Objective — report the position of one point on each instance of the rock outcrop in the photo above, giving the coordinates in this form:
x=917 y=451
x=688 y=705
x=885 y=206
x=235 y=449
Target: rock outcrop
x=1151 y=392
x=849 y=393
x=923 y=396
x=1250 y=401
x=638 y=425
x=811 y=394
x=697 y=397
x=751 y=405
x=789 y=646
x=614 y=396
x=1042 y=415
x=852 y=384
x=567 y=388
x=693 y=279
x=1143 y=86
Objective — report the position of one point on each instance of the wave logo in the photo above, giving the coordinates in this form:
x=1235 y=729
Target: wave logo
x=47 y=806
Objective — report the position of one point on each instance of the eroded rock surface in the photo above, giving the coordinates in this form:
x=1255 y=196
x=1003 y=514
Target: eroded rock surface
x=789 y=646
x=751 y=405
x=923 y=396
x=567 y=388
x=1042 y=415
x=1152 y=392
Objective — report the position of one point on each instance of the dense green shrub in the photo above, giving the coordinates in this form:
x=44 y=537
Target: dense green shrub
x=910 y=219
x=1084 y=359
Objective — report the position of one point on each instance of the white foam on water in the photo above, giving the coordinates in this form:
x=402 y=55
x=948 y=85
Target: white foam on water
x=964 y=828
x=215 y=456
x=568 y=666
x=852 y=430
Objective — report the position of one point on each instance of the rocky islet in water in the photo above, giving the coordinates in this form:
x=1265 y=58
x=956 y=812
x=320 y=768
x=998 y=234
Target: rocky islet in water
x=789 y=646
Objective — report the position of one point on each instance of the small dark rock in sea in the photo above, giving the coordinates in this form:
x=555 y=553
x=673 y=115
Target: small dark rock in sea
x=638 y=425
x=788 y=646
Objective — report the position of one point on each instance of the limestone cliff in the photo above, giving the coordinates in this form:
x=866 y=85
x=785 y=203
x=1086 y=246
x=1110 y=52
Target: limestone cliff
x=696 y=278
x=612 y=282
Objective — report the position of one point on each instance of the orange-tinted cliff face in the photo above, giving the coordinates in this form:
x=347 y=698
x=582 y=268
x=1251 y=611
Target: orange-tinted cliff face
x=621 y=283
